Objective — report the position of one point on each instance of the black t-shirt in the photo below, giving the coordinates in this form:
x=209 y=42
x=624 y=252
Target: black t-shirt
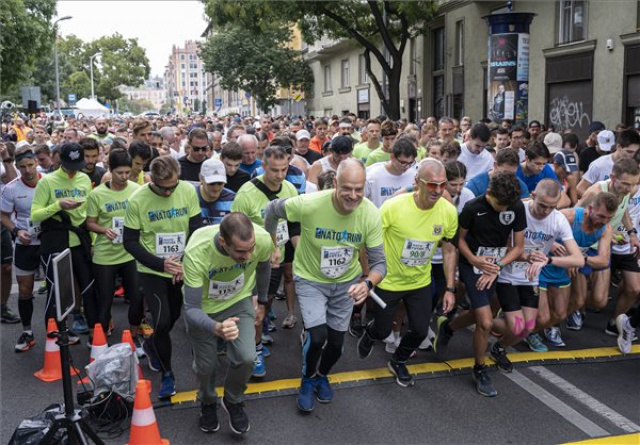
x=236 y=181
x=96 y=176
x=488 y=228
x=310 y=156
x=587 y=156
x=189 y=171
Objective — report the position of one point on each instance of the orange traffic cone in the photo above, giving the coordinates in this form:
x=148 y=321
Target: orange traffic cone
x=144 y=428
x=52 y=369
x=98 y=346
x=126 y=338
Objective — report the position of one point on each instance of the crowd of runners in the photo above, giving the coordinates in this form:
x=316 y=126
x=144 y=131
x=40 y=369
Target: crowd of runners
x=509 y=230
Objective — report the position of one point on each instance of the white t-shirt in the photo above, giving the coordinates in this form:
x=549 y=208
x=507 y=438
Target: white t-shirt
x=475 y=163
x=539 y=235
x=16 y=198
x=381 y=185
x=634 y=213
x=600 y=169
x=465 y=196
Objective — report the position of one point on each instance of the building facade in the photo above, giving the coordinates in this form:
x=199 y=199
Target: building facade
x=152 y=90
x=186 y=80
x=584 y=65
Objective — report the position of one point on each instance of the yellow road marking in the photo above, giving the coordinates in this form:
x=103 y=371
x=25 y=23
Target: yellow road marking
x=627 y=439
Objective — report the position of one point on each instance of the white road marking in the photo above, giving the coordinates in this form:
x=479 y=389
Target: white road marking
x=570 y=414
x=593 y=404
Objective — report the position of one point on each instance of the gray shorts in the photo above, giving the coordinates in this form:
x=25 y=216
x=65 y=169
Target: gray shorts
x=322 y=303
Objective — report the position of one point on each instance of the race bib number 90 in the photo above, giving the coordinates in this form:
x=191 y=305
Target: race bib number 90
x=335 y=261
x=225 y=290
x=416 y=252
x=170 y=244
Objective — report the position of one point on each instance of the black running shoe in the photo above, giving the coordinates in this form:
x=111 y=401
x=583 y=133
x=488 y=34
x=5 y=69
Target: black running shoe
x=208 y=421
x=499 y=355
x=483 y=381
x=238 y=420
x=365 y=345
x=401 y=373
x=442 y=336
x=355 y=326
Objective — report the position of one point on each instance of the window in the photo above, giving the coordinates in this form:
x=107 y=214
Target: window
x=182 y=65
x=193 y=66
x=438 y=73
x=344 y=77
x=363 y=77
x=459 y=53
x=181 y=56
x=572 y=21
x=327 y=79
x=438 y=49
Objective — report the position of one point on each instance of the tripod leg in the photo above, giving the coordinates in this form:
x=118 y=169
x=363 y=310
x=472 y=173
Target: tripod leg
x=51 y=433
x=92 y=434
x=78 y=433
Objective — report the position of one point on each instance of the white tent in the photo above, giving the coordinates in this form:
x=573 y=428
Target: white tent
x=90 y=108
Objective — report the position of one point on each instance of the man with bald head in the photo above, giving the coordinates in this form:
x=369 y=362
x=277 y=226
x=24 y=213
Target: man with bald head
x=412 y=226
x=335 y=224
x=250 y=161
x=102 y=130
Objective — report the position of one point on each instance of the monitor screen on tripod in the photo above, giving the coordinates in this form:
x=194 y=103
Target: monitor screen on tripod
x=65 y=291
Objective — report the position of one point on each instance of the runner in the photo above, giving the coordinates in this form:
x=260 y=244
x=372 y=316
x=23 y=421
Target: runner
x=588 y=224
x=159 y=219
x=362 y=150
x=386 y=178
x=486 y=223
x=335 y=224
x=412 y=226
x=251 y=200
x=506 y=162
x=198 y=149
x=58 y=207
x=215 y=199
x=388 y=131
x=16 y=201
x=106 y=206
x=341 y=148
x=222 y=266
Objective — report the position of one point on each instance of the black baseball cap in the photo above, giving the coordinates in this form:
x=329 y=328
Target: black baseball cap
x=72 y=156
x=342 y=144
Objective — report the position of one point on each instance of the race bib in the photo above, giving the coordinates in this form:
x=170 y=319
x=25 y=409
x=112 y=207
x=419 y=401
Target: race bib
x=282 y=233
x=416 y=252
x=117 y=225
x=495 y=252
x=334 y=261
x=33 y=227
x=225 y=290
x=519 y=267
x=170 y=244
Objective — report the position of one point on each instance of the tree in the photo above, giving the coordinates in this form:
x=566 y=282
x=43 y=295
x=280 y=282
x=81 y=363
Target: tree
x=135 y=106
x=255 y=60
x=26 y=34
x=382 y=27
x=79 y=84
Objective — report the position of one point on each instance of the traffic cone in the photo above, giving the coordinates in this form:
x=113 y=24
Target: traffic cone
x=98 y=346
x=52 y=369
x=144 y=428
x=126 y=338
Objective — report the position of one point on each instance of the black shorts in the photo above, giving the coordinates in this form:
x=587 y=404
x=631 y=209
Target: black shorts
x=7 y=247
x=513 y=298
x=27 y=258
x=478 y=298
x=626 y=262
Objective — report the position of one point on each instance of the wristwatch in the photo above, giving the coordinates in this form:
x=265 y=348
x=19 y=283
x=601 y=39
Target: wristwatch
x=369 y=284
x=15 y=231
x=549 y=260
x=452 y=290
x=500 y=265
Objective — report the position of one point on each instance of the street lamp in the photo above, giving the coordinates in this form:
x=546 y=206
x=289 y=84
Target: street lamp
x=55 y=52
x=93 y=96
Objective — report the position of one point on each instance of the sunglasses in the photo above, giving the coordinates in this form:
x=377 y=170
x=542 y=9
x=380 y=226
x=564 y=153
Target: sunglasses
x=166 y=189
x=432 y=186
x=194 y=148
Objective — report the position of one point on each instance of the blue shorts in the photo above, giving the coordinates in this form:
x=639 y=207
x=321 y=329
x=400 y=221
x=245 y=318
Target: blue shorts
x=553 y=276
x=588 y=270
x=478 y=298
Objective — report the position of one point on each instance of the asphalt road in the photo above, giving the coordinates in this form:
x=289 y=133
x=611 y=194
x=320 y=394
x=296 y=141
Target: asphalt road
x=538 y=403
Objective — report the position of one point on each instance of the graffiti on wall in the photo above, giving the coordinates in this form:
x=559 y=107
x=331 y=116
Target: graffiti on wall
x=565 y=114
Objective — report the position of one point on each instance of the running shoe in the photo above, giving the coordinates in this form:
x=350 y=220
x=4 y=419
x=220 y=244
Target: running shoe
x=280 y=297
x=238 y=420
x=7 y=316
x=289 y=322
x=267 y=339
x=152 y=359
x=208 y=421
x=391 y=347
x=553 y=336
x=401 y=373
x=25 y=342
x=167 y=386
x=427 y=343
x=612 y=330
x=355 y=326
x=306 y=401
x=43 y=287
x=138 y=342
x=626 y=333
x=80 y=325
x=483 y=381
x=271 y=326
x=499 y=355
x=365 y=344
x=575 y=321
x=324 y=393
x=259 y=368
x=443 y=336
x=119 y=292
x=145 y=328
x=266 y=352
x=535 y=343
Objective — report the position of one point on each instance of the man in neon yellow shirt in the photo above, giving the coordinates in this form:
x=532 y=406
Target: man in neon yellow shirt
x=412 y=227
x=58 y=205
x=361 y=151
x=389 y=131
x=222 y=265
x=335 y=225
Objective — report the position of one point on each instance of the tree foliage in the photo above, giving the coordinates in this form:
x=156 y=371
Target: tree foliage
x=256 y=60
x=382 y=27
x=26 y=34
x=135 y=106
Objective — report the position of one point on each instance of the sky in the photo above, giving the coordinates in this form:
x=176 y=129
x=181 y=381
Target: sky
x=158 y=25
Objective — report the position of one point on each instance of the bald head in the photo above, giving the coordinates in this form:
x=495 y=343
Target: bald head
x=548 y=187
x=430 y=167
x=351 y=166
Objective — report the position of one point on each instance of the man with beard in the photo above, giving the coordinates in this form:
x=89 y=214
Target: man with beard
x=91 y=153
x=102 y=130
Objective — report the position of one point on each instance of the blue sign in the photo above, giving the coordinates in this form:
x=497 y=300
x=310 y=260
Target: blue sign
x=72 y=98
x=217 y=102
x=247 y=95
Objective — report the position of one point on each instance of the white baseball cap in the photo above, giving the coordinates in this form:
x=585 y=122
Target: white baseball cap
x=606 y=140
x=553 y=141
x=302 y=134
x=212 y=170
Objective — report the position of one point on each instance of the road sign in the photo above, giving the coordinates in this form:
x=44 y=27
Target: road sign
x=217 y=102
x=72 y=99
